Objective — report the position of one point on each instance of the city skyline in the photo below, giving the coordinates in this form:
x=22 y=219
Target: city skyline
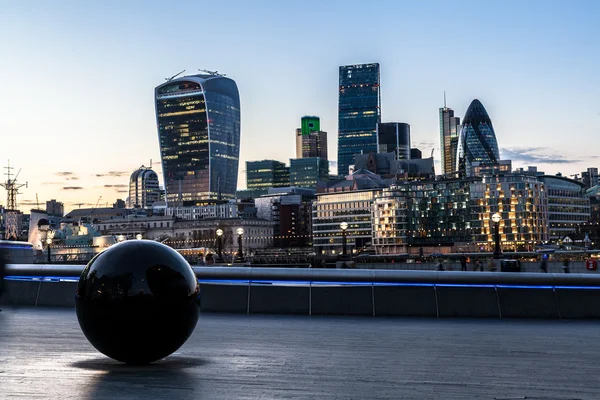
x=93 y=68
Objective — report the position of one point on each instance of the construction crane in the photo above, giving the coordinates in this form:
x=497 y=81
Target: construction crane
x=214 y=73
x=12 y=190
x=95 y=207
x=174 y=76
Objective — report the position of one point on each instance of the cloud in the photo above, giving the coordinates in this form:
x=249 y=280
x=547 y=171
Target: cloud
x=423 y=145
x=116 y=186
x=112 y=174
x=30 y=203
x=122 y=191
x=540 y=155
x=72 y=188
x=70 y=176
x=79 y=204
x=52 y=183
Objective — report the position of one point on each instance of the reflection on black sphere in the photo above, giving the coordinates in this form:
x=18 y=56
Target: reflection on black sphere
x=136 y=301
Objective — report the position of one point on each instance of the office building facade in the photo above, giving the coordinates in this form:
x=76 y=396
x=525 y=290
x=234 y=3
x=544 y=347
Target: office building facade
x=424 y=214
x=477 y=141
x=265 y=174
x=54 y=207
x=568 y=205
x=290 y=210
x=310 y=140
x=307 y=172
x=198 y=120
x=590 y=177
x=143 y=188
x=358 y=114
x=394 y=137
x=331 y=209
x=522 y=203
x=449 y=132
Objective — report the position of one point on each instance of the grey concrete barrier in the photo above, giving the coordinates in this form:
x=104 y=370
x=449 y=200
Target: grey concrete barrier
x=465 y=301
x=216 y=297
x=276 y=299
x=341 y=300
x=349 y=292
x=578 y=303
x=528 y=303
x=406 y=301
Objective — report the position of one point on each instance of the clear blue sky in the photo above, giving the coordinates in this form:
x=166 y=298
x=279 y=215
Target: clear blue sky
x=78 y=78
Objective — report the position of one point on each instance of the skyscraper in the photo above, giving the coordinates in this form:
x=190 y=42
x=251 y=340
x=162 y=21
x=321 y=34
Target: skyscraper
x=264 y=175
x=394 y=137
x=449 y=132
x=307 y=172
x=198 y=120
x=310 y=140
x=143 y=188
x=590 y=177
x=477 y=141
x=358 y=114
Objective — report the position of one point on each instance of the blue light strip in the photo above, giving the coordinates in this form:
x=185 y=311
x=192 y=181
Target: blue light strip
x=42 y=278
x=578 y=287
x=321 y=283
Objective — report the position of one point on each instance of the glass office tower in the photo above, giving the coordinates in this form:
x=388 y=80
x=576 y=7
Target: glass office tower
x=198 y=121
x=394 y=137
x=449 y=131
x=307 y=172
x=264 y=175
x=358 y=114
x=477 y=141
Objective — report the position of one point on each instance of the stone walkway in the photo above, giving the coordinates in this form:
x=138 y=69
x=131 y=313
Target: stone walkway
x=44 y=355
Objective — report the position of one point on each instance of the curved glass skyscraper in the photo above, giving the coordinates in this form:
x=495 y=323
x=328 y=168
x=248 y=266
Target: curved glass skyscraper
x=477 y=141
x=198 y=121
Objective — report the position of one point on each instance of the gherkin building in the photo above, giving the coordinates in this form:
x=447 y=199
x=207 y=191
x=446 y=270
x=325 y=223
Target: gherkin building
x=477 y=141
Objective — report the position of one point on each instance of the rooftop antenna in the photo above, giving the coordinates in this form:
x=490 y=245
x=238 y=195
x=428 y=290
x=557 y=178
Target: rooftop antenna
x=445 y=99
x=150 y=163
x=213 y=73
x=12 y=188
x=174 y=76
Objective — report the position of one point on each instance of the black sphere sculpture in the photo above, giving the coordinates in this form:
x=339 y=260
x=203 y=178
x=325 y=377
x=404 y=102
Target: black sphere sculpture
x=136 y=301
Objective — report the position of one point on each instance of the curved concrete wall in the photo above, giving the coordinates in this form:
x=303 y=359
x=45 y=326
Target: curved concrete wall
x=349 y=292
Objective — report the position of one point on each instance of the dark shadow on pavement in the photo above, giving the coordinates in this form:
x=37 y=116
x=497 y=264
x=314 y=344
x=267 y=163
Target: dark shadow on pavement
x=169 y=378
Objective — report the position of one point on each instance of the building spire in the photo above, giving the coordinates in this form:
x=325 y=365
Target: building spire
x=444 y=99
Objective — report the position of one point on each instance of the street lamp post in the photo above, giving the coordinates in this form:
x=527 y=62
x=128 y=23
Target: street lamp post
x=344 y=226
x=219 y=245
x=44 y=230
x=49 y=244
x=240 y=232
x=496 y=219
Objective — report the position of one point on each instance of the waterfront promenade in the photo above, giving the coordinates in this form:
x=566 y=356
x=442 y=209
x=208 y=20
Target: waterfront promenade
x=44 y=355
